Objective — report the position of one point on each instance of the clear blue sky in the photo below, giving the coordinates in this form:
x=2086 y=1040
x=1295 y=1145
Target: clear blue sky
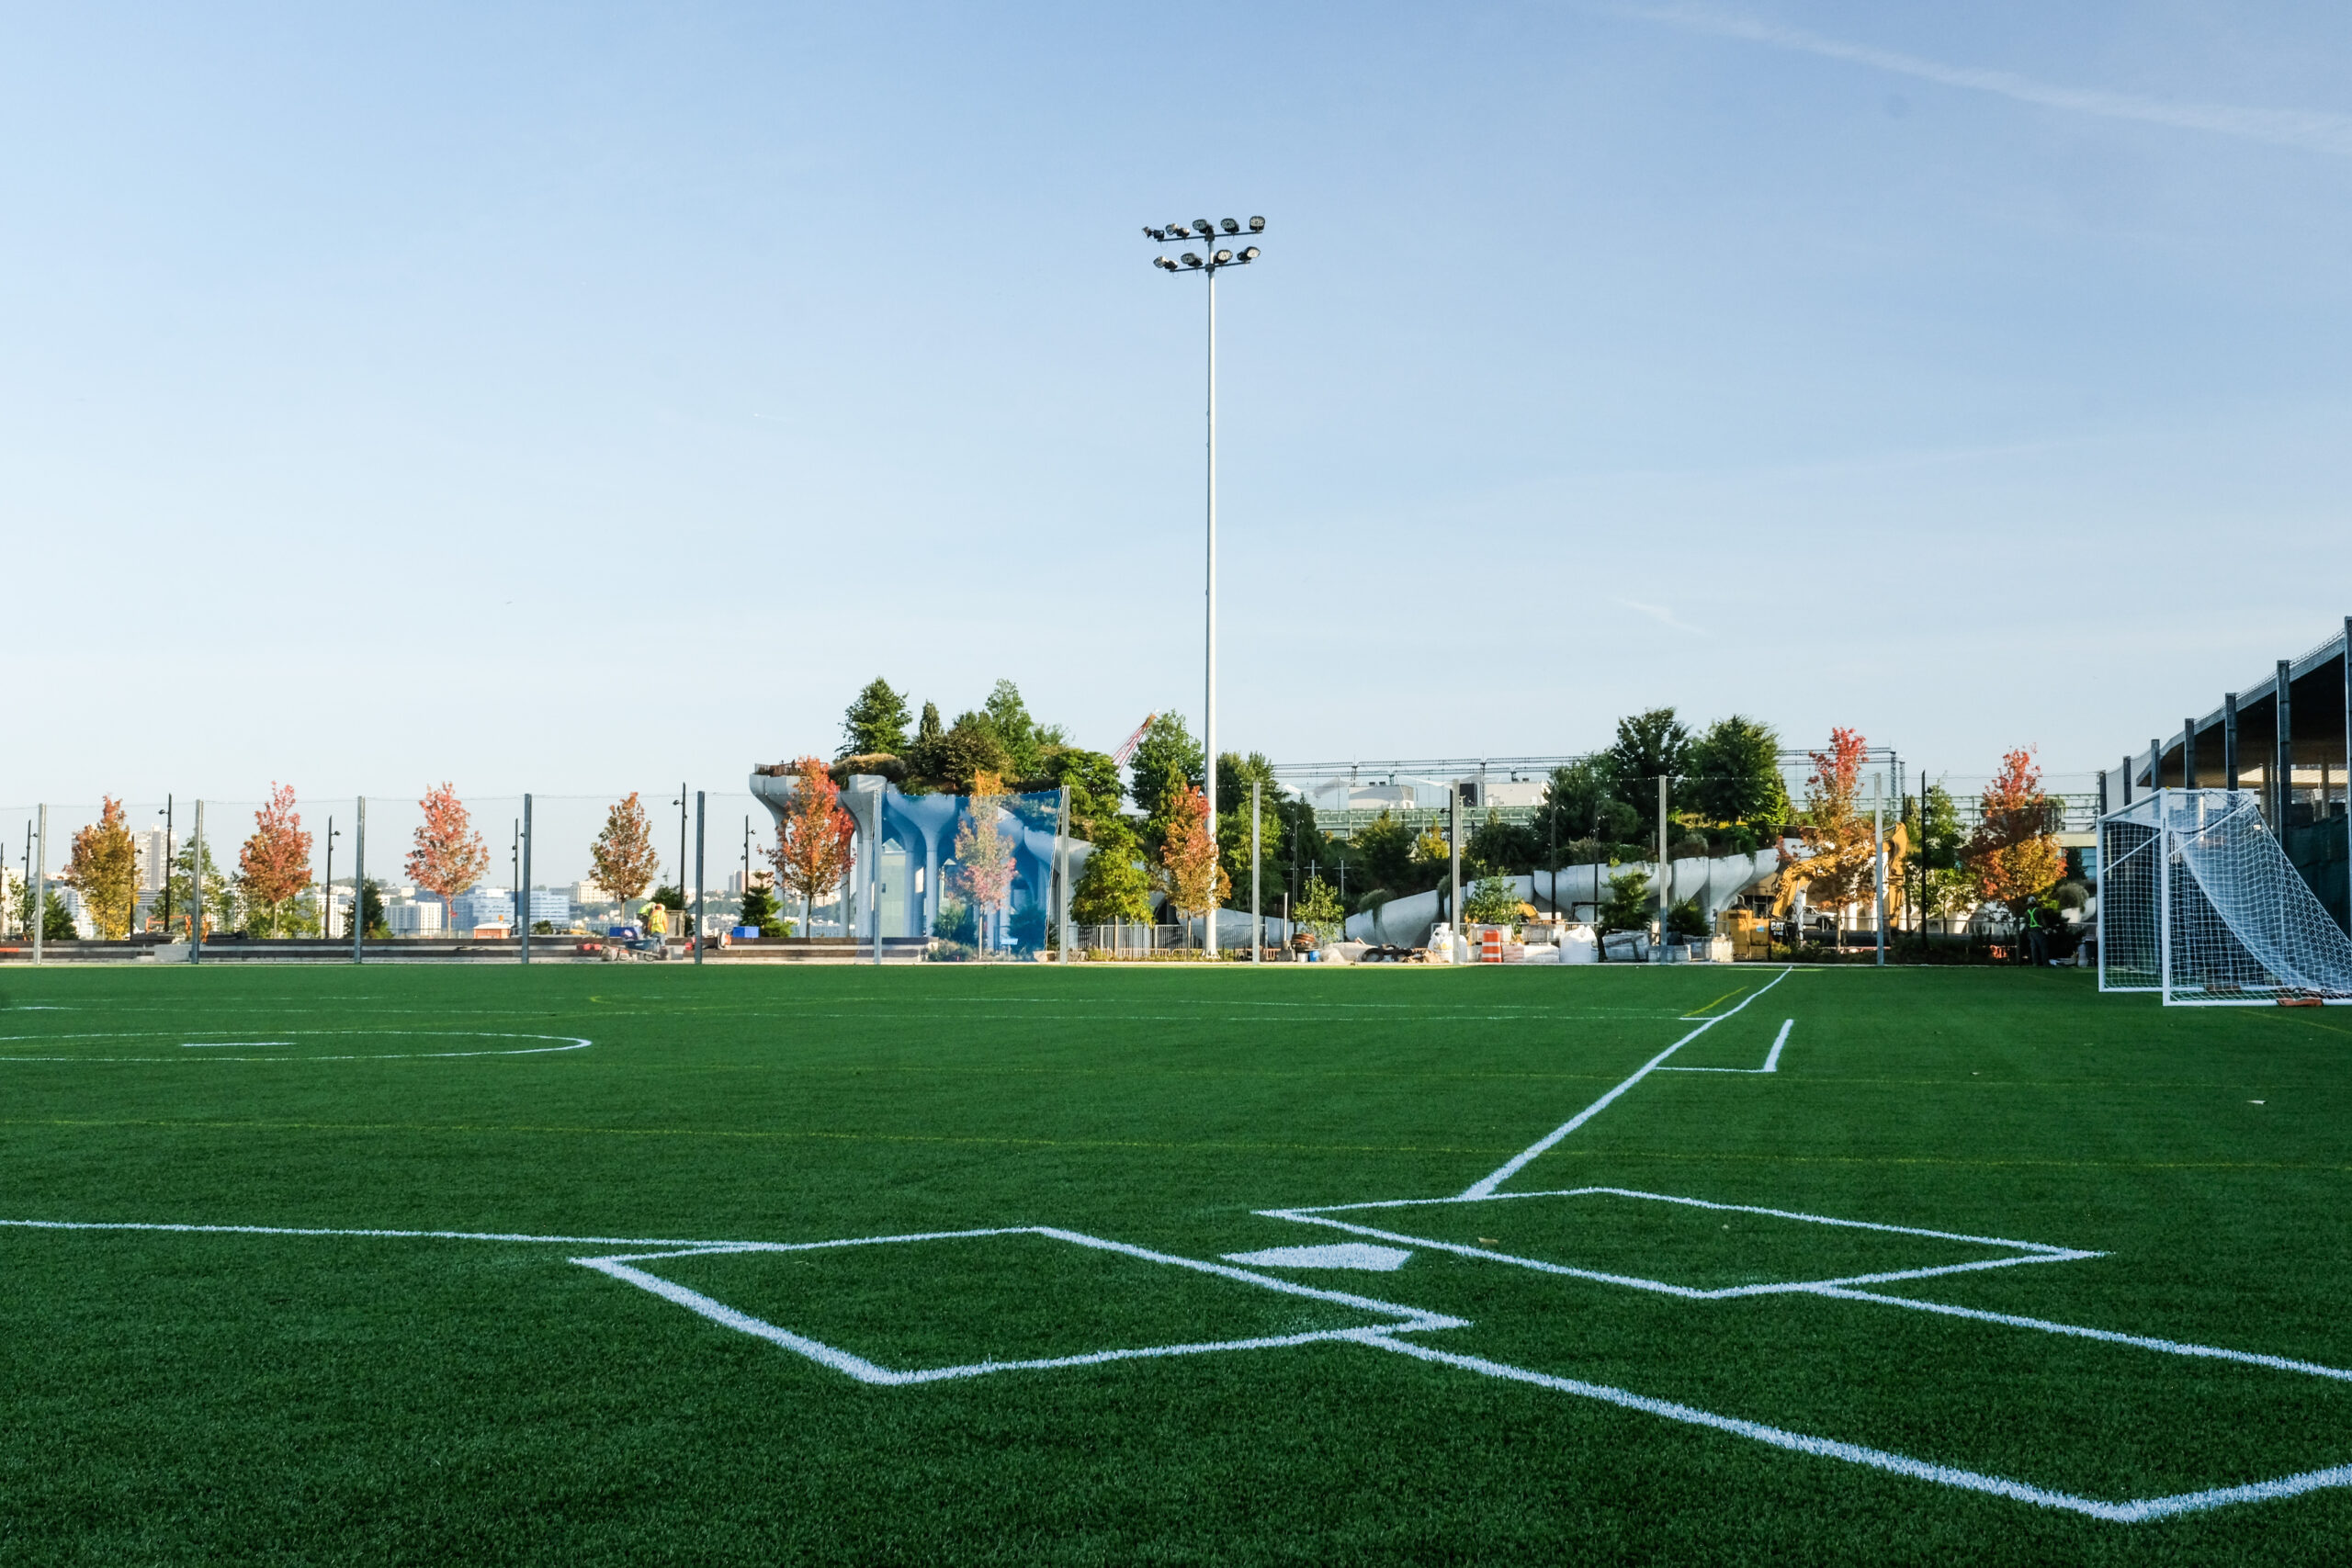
x=1972 y=375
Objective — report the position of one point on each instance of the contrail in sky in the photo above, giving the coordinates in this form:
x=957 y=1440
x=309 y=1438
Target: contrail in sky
x=2313 y=129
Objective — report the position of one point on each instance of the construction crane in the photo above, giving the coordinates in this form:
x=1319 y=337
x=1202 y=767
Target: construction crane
x=1128 y=750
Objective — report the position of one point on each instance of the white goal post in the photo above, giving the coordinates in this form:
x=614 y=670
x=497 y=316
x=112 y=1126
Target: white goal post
x=2198 y=901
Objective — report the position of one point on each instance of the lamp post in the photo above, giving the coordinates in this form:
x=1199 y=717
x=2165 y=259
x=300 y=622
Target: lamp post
x=1211 y=237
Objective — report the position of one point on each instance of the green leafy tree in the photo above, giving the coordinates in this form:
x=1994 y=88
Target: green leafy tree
x=1738 y=775
x=1167 y=761
x=1094 y=782
x=1648 y=745
x=758 y=908
x=1493 y=901
x=1579 y=803
x=927 y=755
x=970 y=749
x=1936 y=850
x=220 y=892
x=1239 y=773
x=372 y=909
x=1023 y=739
x=1498 y=845
x=876 y=722
x=1386 y=844
x=1628 y=905
x=56 y=920
x=1320 y=910
x=1114 y=884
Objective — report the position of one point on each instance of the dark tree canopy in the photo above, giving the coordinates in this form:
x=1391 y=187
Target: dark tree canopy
x=1649 y=746
x=1738 y=768
x=1166 y=745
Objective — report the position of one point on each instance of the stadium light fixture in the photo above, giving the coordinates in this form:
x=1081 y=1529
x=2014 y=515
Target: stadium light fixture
x=1216 y=262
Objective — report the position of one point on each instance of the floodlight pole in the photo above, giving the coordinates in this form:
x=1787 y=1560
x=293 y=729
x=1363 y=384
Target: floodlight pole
x=1208 y=236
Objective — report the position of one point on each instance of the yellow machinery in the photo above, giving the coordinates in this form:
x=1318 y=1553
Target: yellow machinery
x=1849 y=863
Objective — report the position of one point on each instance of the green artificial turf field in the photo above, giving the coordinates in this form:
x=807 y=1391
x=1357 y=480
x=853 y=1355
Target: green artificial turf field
x=1602 y=1374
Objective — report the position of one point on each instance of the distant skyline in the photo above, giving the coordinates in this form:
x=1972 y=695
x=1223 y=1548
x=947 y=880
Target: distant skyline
x=1973 y=378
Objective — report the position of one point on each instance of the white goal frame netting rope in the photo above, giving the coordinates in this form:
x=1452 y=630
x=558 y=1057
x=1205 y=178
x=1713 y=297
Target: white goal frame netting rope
x=2199 y=902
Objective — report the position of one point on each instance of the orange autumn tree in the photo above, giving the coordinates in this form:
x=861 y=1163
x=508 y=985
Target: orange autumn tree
x=623 y=856
x=1197 y=883
x=449 y=856
x=2013 y=857
x=983 y=855
x=812 y=840
x=274 y=864
x=105 y=869
x=1835 y=827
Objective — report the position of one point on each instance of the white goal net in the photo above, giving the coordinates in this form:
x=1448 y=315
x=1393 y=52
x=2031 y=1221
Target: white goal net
x=2198 y=901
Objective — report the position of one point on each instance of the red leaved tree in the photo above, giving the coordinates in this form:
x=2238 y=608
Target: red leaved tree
x=983 y=854
x=1197 y=883
x=812 y=840
x=449 y=856
x=274 y=864
x=2013 y=857
x=1841 y=870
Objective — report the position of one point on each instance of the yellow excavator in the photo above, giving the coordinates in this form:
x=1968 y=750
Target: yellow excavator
x=1751 y=934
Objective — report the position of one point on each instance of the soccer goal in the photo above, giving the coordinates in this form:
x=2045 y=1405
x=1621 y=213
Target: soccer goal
x=2198 y=901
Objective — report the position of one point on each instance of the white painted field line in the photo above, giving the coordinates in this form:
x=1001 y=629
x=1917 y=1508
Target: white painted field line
x=1772 y=1061
x=491 y=1235
x=2131 y=1512
x=2170 y=1347
x=1520 y=1161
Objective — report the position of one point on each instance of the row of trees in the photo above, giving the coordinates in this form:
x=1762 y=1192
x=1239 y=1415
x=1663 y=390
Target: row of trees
x=1725 y=794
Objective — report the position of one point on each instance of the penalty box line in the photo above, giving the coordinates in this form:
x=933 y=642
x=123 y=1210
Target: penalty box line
x=1519 y=1162
x=2134 y=1511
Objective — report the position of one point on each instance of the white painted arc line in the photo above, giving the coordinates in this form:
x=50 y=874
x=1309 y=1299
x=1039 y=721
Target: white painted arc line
x=2130 y=1512
x=1834 y=1289
x=1520 y=1161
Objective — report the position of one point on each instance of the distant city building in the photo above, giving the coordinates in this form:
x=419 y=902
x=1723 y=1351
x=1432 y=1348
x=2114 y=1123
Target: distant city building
x=413 y=920
x=588 y=892
x=151 y=849
x=551 y=905
x=483 y=905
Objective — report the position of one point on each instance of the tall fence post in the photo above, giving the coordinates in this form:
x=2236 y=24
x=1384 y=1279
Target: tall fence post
x=196 y=888
x=359 y=879
x=1257 y=920
x=522 y=916
x=1878 y=858
x=1061 y=870
x=701 y=937
x=39 y=888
